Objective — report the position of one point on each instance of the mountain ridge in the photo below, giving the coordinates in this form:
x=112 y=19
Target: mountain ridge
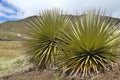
x=13 y=29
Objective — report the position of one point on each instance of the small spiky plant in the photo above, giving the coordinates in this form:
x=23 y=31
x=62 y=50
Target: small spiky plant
x=90 y=43
x=44 y=37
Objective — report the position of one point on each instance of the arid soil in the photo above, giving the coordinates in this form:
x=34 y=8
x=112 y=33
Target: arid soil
x=113 y=74
x=33 y=75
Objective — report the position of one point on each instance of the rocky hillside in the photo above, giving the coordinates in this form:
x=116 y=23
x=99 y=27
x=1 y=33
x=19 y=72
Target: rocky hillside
x=13 y=30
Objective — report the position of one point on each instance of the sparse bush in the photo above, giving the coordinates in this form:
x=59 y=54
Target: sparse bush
x=13 y=65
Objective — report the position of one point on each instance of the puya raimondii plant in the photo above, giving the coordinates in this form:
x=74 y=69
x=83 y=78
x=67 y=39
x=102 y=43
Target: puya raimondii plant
x=79 y=46
x=44 y=37
x=91 y=40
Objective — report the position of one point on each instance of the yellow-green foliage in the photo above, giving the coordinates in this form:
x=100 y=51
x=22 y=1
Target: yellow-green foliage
x=82 y=46
x=44 y=35
x=92 y=44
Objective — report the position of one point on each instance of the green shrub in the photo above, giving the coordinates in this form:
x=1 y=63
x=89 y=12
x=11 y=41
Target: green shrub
x=91 y=40
x=80 y=46
x=44 y=37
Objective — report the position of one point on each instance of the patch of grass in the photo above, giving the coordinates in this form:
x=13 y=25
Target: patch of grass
x=11 y=49
x=12 y=65
x=12 y=57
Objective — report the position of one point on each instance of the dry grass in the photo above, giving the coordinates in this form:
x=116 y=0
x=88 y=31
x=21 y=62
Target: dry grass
x=13 y=65
x=12 y=56
x=11 y=49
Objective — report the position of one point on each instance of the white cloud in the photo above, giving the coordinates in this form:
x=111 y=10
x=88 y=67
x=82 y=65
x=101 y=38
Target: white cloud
x=32 y=7
x=10 y=16
x=1 y=22
x=5 y=9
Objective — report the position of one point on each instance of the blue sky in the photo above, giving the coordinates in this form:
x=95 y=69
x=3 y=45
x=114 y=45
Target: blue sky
x=6 y=11
x=11 y=10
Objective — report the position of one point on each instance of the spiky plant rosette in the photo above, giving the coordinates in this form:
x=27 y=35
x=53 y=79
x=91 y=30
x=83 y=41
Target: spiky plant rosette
x=90 y=44
x=44 y=37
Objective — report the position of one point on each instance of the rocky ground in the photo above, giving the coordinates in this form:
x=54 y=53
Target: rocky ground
x=113 y=74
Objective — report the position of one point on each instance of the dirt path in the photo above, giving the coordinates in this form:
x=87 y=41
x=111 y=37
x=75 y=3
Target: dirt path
x=49 y=75
x=33 y=75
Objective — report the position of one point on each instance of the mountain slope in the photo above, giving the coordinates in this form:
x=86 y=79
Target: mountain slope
x=13 y=30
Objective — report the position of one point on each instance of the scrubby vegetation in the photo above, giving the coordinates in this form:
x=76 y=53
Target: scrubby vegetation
x=75 y=47
x=44 y=38
x=12 y=57
x=80 y=46
x=12 y=65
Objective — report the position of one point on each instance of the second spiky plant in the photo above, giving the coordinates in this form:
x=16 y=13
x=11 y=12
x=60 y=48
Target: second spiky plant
x=90 y=42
